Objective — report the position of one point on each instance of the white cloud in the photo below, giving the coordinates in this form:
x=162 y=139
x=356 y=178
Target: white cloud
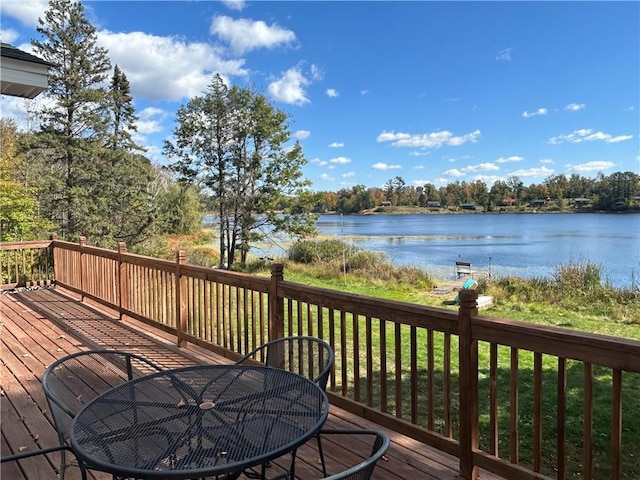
x=9 y=35
x=574 y=107
x=340 y=160
x=150 y=120
x=488 y=179
x=384 y=166
x=427 y=140
x=481 y=167
x=332 y=92
x=504 y=54
x=512 y=158
x=540 y=111
x=588 y=135
x=418 y=153
x=23 y=112
x=290 y=88
x=301 y=134
x=27 y=12
x=336 y=145
x=532 y=172
x=454 y=172
x=234 y=4
x=316 y=73
x=349 y=174
x=244 y=35
x=166 y=68
x=595 y=166
x=320 y=163
x=326 y=176
x=546 y=160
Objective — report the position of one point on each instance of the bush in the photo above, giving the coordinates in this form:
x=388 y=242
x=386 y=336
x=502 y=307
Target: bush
x=333 y=258
x=311 y=251
x=204 y=256
x=364 y=261
x=580 y=275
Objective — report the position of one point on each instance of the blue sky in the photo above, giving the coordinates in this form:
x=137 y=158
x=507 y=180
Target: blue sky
x=429 y=91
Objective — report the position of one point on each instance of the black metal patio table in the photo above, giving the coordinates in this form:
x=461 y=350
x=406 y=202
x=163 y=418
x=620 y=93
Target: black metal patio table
x=198 y=421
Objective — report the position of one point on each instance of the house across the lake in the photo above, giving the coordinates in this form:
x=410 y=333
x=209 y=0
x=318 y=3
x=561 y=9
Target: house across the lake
x=581 y=202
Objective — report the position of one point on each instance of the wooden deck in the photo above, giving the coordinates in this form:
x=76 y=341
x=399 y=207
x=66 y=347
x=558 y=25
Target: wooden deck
x=39 y=326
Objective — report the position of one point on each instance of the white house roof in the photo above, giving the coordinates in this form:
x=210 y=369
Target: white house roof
x=22 y=74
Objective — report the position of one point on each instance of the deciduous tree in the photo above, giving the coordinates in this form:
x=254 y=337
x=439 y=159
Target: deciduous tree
x=234 y=144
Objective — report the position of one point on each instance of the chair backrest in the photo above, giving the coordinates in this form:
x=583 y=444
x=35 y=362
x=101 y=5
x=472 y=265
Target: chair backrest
x=304 y=355
x=364 y=469
x=73 y=381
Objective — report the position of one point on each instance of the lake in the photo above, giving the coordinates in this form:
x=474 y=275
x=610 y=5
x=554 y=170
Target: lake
x=526 y=245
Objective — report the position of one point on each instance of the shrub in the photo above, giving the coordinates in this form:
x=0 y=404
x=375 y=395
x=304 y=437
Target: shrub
x=204 y=256
x=579 y=275
x=312 y=251
x=364 y=261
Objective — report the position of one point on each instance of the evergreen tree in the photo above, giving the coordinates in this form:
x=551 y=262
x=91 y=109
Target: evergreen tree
x=74 y=127
x=122 y=113
x=127 y=176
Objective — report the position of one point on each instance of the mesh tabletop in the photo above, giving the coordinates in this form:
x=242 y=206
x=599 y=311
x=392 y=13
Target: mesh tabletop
x=199 y=421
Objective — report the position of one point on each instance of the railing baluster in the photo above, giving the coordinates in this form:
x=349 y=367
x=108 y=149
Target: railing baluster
x=369 y=353
x=356 y=357
x=493 y=400
x=398 y=367
x=431 y=372
x=446 y=388
x=616 y=423
x=587 y=425
x=414 y=374
x=537 y=412
x=383 y=366
x=514 y=411
x=561 y=412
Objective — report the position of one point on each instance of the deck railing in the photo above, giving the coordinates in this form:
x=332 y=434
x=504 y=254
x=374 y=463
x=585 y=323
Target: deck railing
x=455 y=380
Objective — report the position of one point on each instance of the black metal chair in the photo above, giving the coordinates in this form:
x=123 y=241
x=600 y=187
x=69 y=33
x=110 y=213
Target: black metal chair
x=308 y=356
x=63 y=449
x=72 y=381
x=364 y=469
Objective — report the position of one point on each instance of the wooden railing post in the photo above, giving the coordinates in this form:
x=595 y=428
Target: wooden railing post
x=122 y=280
x=83 y=243
x=468 y=357
x=52 y=258
x=181 y=299
x=276 y=304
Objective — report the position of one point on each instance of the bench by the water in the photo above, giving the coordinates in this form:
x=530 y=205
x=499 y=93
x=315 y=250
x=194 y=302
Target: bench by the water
x=463 y=268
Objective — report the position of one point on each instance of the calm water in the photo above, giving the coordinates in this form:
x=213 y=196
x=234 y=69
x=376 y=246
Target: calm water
x=527 y=245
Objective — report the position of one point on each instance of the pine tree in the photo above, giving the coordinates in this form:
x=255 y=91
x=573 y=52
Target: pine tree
x=75 y=125
x=122 y=113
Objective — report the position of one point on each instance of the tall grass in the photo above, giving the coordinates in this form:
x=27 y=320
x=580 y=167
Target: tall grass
x=335 y=258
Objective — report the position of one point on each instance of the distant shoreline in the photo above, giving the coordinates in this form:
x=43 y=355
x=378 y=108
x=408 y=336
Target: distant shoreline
x=443 y=211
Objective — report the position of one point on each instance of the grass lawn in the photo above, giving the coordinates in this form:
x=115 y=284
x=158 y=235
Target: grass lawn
x=579 y=318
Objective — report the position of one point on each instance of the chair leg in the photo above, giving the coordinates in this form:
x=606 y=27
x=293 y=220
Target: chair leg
x=324 y=466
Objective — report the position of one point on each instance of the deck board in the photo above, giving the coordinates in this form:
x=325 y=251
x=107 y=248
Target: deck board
x=42 y=325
